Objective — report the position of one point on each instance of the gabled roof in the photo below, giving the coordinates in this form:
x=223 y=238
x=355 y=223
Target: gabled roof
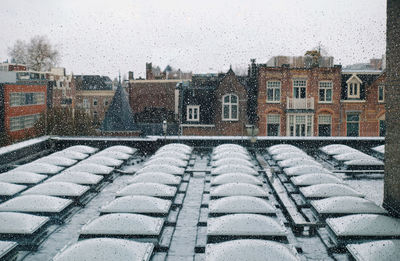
x=119 y=116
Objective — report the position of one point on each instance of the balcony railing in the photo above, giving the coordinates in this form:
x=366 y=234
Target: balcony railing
x=300 y=104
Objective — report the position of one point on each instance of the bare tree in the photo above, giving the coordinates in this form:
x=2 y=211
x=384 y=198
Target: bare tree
x=38 y=54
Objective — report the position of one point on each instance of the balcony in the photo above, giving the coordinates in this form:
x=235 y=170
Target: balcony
x=300 y=104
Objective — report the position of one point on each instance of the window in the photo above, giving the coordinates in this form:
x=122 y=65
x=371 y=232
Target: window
x=382 y=126
x=26 y=98
x=325 y=91
x=353 y=124
x=105 y=102
x=273 y=91
x=230 y=103
x=193 y=113
x=94 y=102
x=299 y=89
x=86 y=103
x=23 y=122
x=353 y=87
x=273 y=124
x=381 y=93
x=300 y=125
x=324 y=125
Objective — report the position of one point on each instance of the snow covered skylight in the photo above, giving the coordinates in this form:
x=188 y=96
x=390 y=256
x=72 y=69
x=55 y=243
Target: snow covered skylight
x=233 y=168
x=70 y=154
x=106 y=249
x=240 y=204
x=329 y=190
x=235 y=178
x=238 y=189
x=376 y=250
x=137 y=204
x=35 y=203
x=297 y=162
x=82 y=149
x=148 y=189
x=92 y=168
x=20 y=223
x=315 y=178
x=21 y=177
x=77 y=177
x=8 y=189
x=346 y=205
x=102 y=160
x=305 y=169
x=156 y=177
x=57 y=161
x=291 y=155
x=66 y=189
x=231 y=155
x=162 y=168
x=169 y=154
x=167 y=161
x=114 y=155
x=123 y=149
x=39 y=168
x=230 y=161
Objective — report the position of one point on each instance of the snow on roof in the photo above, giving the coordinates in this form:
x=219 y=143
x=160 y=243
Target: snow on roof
x=279 y=146
x=70 y=154
x=233 y=168
x=297 y=162
x=363 y=162
x=380 y=149
x=229 y=161
x=105 y=249
x=102 y=160
x=20 y=223
x=329 y=190
x=39 y=168
x=352 y=156
x=82 y=149
x=250 y=250
x=166 y=160
x=315 y=178
x=238 y=189
x=235 y=178
x=23 y=144
x=177 y=145
x=170 y=154
x=137 y=204
x=123 y=149
x=244 y=225
x=231 y=155
x=77 y=177
x=148 y=189
x=300 y=170
x=92 y=168
x=364 y=225
x=290 y=155
x=388 y=250
x=177 y=149
x=21 y=177
x=332 y=146
x=346 y=204
x=229 y=146
x=284 y=150
x=57 y=161
x=8 y=189
x=114 y=155
x=35 y=203
x=338 y=150
x=162 y=168
x=218 y=151
x=57 y=188
x=240 y=204
x=6 y=246
x=124 y=224
x=156 y=177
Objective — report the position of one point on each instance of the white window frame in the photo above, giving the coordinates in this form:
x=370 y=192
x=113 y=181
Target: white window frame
x=353 y=122
x=278 y=121
x=322 y=122
x=381 y=86
x=353 y=87
x=85 y=103
x=309 y=124
x=191 y=112
x=274 y=85
x=23 y=122
x=325 y=88
x=296 y=84
x=230 y=105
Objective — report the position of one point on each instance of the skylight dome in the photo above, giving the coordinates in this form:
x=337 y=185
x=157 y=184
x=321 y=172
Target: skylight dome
x=35 y=203
x=156 y=177
x=105 y=249
x=280 y=146
x=57 y=161
x=39 y=168
x=291 y=155
x=124 y=224
x=77 y=177
x=231 y=155
x=20 y=223
x=167 y=161
x=346 y=205
x=238 y=189
x=352 y=156
x=137 y=204
x=57 y=189
x=230 y=161
x=8 y=189
x=82 y=149
x=284 y=150
x=240 y=204
x=101 y=160
x=250 y=250
x=123 y=149
x=339 y=150
x=92 y=168
x=21 y=177
x=380 y=149
x=315 y=178
x=244 y=225
x=306 y=169
x=70 y=155
x=235 y=178
x=376 y=250
x=162 y=168
x=329 y=190
x=297 y=162
x=167 y=154
x=233 y=168
x=114 y=155
x=364 y=162
x=148 y=189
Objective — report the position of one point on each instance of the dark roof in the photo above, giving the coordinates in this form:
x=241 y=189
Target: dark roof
x=93 y=82
x=366 y=78
x=119 y=116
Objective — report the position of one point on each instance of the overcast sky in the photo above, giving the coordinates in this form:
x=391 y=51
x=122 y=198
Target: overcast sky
x=105 y=36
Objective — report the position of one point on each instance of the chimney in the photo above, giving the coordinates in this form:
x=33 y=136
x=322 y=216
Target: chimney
x=149 y=71
x=130 y=75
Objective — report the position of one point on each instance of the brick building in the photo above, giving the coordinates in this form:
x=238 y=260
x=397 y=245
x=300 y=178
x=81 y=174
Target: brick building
x=62 y=88
x=23 y=97
x=214 y=105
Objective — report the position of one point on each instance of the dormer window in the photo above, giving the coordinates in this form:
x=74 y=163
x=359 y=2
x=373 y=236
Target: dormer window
x=230 y=104
x=353 y=87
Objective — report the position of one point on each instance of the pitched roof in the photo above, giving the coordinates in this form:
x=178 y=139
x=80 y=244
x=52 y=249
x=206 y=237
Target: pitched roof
x=119 y=116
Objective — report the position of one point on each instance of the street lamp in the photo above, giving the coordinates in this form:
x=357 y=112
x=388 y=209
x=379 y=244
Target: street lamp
x=165 y=127
x=252 y=132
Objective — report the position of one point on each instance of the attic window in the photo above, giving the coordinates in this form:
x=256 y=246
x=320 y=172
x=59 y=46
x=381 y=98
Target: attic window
x=353 y=87
x=193 y=113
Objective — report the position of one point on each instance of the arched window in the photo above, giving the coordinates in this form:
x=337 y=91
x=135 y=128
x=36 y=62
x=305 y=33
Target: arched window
x=230 y=104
